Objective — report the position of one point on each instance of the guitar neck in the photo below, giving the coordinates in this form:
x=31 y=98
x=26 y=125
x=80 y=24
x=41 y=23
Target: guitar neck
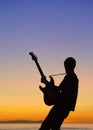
x=40 y=70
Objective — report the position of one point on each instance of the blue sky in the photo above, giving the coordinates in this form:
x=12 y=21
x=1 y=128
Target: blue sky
x=46 y=26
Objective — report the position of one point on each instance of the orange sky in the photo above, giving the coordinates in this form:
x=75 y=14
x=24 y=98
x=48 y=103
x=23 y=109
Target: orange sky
x=28 y=104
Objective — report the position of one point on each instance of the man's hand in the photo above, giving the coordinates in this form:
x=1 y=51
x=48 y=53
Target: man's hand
x=43 y=80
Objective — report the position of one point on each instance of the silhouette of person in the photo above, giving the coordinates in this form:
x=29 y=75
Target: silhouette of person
x=66 y=101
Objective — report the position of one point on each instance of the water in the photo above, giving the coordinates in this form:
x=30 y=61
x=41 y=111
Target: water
x=36 y=127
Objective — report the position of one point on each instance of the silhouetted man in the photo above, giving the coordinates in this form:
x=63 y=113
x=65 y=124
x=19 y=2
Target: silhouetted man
x=68 y=90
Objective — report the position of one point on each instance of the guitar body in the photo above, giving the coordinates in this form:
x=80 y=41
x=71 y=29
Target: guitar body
x=50 y=91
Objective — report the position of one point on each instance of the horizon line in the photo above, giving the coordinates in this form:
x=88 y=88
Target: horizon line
x=37 y=121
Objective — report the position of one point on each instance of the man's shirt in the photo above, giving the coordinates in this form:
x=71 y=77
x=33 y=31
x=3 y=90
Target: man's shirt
x=69 y=91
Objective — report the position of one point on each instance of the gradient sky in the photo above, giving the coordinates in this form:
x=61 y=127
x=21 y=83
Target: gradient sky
x=53 y=30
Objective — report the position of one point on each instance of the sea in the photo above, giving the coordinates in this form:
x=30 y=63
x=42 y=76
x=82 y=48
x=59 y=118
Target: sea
x=36 y=126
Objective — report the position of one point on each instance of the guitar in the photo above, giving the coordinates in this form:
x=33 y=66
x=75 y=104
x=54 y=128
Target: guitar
x=50 y=92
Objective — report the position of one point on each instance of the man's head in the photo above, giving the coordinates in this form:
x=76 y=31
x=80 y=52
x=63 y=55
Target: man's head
x=69 y=64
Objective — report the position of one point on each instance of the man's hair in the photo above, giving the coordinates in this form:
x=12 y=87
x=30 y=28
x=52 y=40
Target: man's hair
x=70 y=63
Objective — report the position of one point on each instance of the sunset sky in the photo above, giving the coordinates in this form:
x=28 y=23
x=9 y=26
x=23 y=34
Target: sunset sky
x=53 y=30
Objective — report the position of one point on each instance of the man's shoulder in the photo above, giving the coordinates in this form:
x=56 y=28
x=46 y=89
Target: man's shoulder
x=72 y=76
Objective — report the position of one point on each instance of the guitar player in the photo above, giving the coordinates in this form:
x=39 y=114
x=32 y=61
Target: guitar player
x=66 y=102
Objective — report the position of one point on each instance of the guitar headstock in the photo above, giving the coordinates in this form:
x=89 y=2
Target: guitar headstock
x=34 y=57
